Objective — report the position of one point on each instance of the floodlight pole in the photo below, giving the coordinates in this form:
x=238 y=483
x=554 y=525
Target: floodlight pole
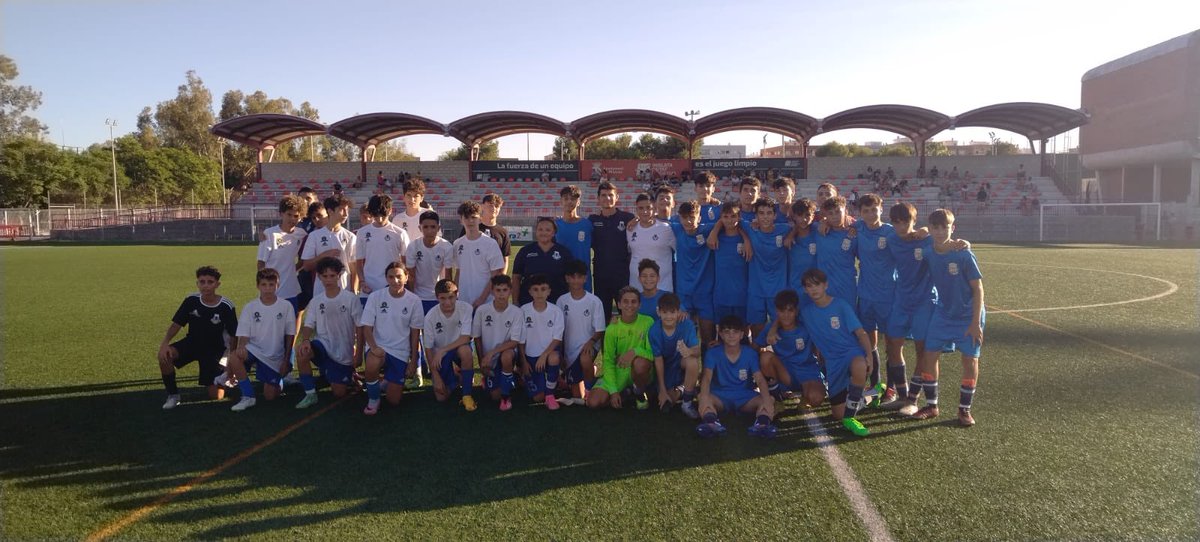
x=112 y=144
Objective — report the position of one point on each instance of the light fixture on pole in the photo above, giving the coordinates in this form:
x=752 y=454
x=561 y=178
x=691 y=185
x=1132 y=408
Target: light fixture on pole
x=691 y=115
x=112 y=144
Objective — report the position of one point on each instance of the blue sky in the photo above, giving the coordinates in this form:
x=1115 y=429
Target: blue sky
x=449 y=59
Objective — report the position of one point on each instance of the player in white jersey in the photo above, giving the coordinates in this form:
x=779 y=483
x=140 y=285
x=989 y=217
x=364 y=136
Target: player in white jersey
x=265 y=332
x=497 y=332
x=379 y=243
x=583 y=316
x=333 y=240
x=541 y=342
x=651 y=238
x=391 y=327
x=280 y=249
x=427 y=258
x=329 y=335
x=409 y=218
x=447 y=340
x=477 y=258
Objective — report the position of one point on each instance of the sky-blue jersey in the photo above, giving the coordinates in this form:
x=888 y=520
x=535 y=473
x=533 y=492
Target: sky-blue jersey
x=768 y=269
x=832 y=329
x=914 y=284
x=780 y=216
x=952 y=274
x=835 y=256
x=731 y=375
x=577 y=237
x=710 y=214
x=876 y=265
x=649 y=305
x=730 y=291
x=666 y=345
x=794 y=347
x=749 y=215
x=802 y=257
x=694 y=267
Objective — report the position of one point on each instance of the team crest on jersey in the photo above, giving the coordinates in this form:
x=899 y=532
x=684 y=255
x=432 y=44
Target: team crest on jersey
x=953 y=268
x=778 y=240
x=620 y=226
x=654 y=237
x=812 y=249
x=477 y=252
x=508 y=324
x=556 y=256
x=699 y=239
x=835 y=322
x=740 y=249
x=582 y=237
x=742 y=375
x=633 y=237
x=550 y=323
x=566 y=310
x=322 y=308
x=437 y=258
x=882 y=243
x=368 y=236
x=918 y=254
x=710 y=214
x=846 y=244
x=587 y=312
x=279 y=316
x=487 y=321
x=342 y=308
x=257 y=317
x=383 y=308
x=216 y=319
x=387 y=237
x=420 y=255
x=404 y=311
x=528 y=322
x=800 y=343
x=324 y=241
x=460 y=249
x=437 y=328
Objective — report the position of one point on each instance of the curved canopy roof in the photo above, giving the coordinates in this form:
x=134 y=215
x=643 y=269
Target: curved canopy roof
x=629 y=120
x=1032 y=120
x=906 y=120
x=375 y=128
x=790 y=123
x=266 y=129
x=494 y=124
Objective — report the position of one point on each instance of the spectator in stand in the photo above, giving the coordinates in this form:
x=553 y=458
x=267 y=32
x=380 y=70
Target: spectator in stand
x=954 y=174
x=982 y=197
x=358 y=182
x=337 y=190
x=933 y=173
x=891 y=173
x=380 y=181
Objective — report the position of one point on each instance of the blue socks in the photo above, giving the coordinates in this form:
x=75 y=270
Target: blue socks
x=897 y=379
x=551 y=377
x=309 y=383
x=468 y=381
x=762 y=419
x=373 y=390
x=506 y=384
x=914 y=389
x=246 y=387
x=966 y=394
x=874 y=374
x=931 y=389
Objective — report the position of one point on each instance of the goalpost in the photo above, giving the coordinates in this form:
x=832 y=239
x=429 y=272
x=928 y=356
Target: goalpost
x=1095 y=222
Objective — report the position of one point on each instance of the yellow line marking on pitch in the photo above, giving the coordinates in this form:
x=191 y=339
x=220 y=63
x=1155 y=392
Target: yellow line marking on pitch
x=108 y=531
x=1171 y=288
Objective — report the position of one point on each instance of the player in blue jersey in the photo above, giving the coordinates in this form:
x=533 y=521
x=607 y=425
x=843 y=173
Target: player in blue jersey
x=838 y=335
x=676 y=349
x=731 y=374
x=958 y=318
x=748 y=193
x=768 y=267
x=574 y=232
x=877 y=280
x=802 y=243
x=710 y=207
x=732 y=253
x=785 y=193
x=648 y=277
x=610 y=248
x=694 y=277
x=787 y=357
x=836 y=250
x=664 y=204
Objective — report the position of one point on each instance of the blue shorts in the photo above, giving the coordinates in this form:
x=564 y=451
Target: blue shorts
x=699 y=304
x=909 y=322
x=394 y=369
x=808 y=371
x=947 y=335
x=362 y=301
x=758 y=309
x=673 y=371
x=535 y=383
x=733 y=399
x=573 y=373
x=264 y=373
x=837 y=372
x=334 y=372
x=446 y=369
x=295 y=301
x=726 y=310
x=874 y=315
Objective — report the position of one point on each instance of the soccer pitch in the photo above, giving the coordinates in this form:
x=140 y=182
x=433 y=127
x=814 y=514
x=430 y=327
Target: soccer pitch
x=1087 y=411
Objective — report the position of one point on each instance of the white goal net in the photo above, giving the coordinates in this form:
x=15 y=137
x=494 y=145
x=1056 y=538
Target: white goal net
x=1100 y=222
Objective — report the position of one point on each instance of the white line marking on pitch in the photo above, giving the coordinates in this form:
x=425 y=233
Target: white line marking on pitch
x=863 y=507
x=1171 y=288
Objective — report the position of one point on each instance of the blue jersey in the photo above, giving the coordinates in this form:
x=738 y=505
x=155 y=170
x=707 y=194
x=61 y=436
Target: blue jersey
x=793 y=347
x=780 y=216
x=531 y=260
x=768 y=269
x=952 y=275
x=835 y=256
x=731 y=375
x=710 y=214
x=649 y=305
x=732 y=268
x=832 y=329
x=877 y=266
x=749 y=216
x=577 y=237
x=667 y=345
x=802 y=257
x=611 y=262
x=914 y=284
x=694 y=268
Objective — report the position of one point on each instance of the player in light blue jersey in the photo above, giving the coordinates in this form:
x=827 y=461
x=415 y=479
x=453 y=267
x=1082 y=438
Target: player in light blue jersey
x=648 y=277
x=732 y=253
x=731 y=374
x=694 y=275
x=877 y=280
x=748 y=192
x=839 y=336
x=676 y=349
x=785 y=193
x=574 y=232
x=786 y=354
x=710 y=207
x=802 y=240
x=768 y=267
x=837 y=246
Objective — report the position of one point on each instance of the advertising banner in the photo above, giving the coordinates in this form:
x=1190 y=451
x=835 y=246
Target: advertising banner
x=525 y=170
x=723 y=168
x=632 y=170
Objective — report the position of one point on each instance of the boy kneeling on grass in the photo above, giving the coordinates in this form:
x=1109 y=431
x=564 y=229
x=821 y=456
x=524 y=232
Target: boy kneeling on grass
x=842 y=342
x=209 y=317
x=264 y=334
x=731 y=372
x=329 y=335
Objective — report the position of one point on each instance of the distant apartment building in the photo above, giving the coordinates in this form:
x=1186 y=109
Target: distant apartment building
x=722 y=151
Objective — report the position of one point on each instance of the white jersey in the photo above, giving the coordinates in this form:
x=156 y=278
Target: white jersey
x=266 y=327
x=378 y=246
x=493 y=327
x=323 y=240
x=540 y=328
x=475 y=261
x=335 y=321
x=279 y=251
x=410 y=224
x=583 y=318
x=441 y=330
x=393 y=319
x=657 y=243
x=428 y=264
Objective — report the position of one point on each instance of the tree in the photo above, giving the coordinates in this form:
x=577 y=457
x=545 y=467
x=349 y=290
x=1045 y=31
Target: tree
x=488 y=150
x=856 y=150
x=15 y=102
x=1004 y=148
x=665 y=147
x=395 y=150
x=936 y=148
x=146 y=129
x=611 y=148
x=896 y=149
x=565 y=148
x=29 y=169
x=184 y=121
x=833 y=149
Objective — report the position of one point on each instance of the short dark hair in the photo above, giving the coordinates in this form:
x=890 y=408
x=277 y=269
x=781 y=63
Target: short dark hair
x=749 y=181
x=569 y=190
x=208 y=271
x=337 y=201
x=833 y=203
x=468 y=209
x=787 y=299
x=668 y=302
x=941 y=217
x=266 y=274
x=813 y=276
x=575 y=267
x=329 y=262
x=764 y=202
x=501 y=280
x=605 y=185
x=626 y=290
x=537 y=279
x=306 y=190
x=647 y=263
x=493 y=198
x=903 y=212
x=689 y=207
x=782 y=182
x=732 y=321
x=804 y=205
x=830 y=186
x=731 y=207
x=429 y=215
x=872 y=200
x=291 y=203
x=395 y=265
x=644 y=197
x=414 y=185
x=445 y=286
x=705 y=178
x=380 y=205
x=313 y=208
